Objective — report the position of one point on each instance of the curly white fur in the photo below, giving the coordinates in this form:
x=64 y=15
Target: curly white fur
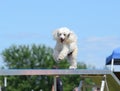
x=66 y=46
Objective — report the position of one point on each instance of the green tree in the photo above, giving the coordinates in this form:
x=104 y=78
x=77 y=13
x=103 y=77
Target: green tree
x=26 y=57
x=35 y=57
x=29 y=57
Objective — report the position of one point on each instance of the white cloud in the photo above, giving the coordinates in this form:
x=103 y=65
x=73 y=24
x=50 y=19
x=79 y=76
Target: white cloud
x=100 y=42
x=94 y=50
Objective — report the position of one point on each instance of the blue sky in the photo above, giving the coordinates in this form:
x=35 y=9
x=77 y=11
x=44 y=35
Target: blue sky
x=96 y=23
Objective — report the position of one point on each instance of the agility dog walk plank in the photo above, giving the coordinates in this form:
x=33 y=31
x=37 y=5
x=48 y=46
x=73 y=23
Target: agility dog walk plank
x=112 y=80
x=4 y=72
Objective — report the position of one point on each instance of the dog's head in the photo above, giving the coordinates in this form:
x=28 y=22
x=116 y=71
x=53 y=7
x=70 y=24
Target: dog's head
x=64 y=35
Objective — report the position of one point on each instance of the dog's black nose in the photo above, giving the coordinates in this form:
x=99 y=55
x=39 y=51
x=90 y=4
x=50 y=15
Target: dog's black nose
x=61 y=39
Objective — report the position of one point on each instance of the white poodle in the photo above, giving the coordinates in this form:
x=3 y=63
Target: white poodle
x=66 y=46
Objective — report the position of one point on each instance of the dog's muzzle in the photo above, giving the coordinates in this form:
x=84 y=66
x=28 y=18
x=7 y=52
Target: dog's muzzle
x=61 y=39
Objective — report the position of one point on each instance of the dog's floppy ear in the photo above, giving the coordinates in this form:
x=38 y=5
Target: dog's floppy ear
x=71 y=37
x=55 y=34
x=68 y=35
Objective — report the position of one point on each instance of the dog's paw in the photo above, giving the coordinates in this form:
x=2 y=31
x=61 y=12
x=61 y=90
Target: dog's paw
x=60 y=57
x=72 y=67
x=57 y=61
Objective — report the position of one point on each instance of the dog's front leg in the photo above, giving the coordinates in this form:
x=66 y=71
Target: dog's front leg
x=63 y=53
x=55 y=55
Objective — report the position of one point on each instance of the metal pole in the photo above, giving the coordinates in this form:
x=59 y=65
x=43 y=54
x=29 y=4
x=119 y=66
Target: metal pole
x=55 y=83
x=5 y=84
x=0 y=88
x=112 y=65
x=103 y=83
x=5 y=81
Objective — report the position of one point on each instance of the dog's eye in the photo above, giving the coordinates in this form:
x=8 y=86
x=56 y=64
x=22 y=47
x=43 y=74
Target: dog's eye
x=64 y=34
x=59 y=33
